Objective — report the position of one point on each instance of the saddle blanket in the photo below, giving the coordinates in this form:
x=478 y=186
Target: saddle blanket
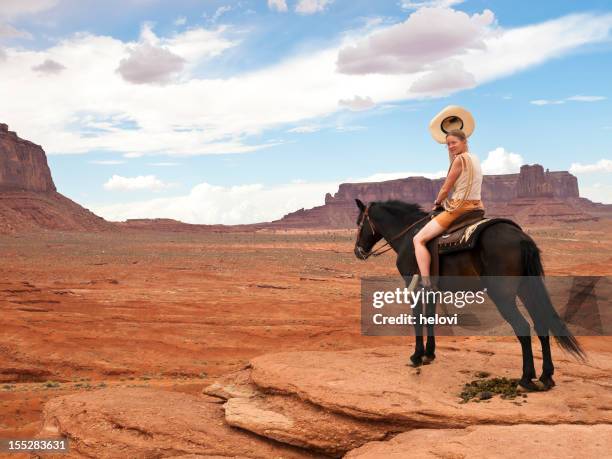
x=465 y=238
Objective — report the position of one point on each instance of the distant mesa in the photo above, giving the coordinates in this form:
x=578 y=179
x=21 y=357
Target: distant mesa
x=532 y=196
x=23 y=164
x=29 y=200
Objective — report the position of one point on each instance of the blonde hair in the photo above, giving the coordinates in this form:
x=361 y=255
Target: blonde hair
x=457 y=133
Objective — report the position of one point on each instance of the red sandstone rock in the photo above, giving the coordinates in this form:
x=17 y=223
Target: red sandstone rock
x=31 y=211
x=28 y=198
x=23 y=164
x=483 y=442
x=144 y=422
x=290 y=420
x=376 y=384
x=337 y=401
x=546 y=196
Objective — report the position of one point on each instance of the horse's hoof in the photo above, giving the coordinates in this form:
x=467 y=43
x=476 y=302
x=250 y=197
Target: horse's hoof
x=547 y=382
x=427 y=359
x=541 y=386
x=415 y=361
x=527 y=386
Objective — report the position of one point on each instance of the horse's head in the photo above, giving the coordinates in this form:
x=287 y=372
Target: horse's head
x=380 y=218
x=367 y=235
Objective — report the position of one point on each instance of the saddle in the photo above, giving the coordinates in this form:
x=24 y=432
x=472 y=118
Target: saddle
x=461 y=235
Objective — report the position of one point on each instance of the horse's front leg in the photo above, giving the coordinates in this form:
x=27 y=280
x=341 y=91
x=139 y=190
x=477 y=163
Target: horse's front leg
x=430 y=349
x=419 y=348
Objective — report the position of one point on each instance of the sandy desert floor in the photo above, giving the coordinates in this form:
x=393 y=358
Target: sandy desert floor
x=177 y=310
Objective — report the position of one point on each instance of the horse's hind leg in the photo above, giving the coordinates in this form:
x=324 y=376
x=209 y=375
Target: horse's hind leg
x=548 y=368
x=547 y=364
x=506 y=304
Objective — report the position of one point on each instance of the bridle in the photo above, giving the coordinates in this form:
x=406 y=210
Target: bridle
x=374 y=253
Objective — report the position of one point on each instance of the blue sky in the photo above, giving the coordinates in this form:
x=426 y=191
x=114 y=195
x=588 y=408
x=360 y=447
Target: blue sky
x=237 y=112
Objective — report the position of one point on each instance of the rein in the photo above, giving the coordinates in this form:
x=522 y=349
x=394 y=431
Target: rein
x=379 y=251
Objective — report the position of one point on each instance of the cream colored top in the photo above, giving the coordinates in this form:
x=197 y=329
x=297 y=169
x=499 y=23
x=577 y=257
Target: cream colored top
x=462 y=182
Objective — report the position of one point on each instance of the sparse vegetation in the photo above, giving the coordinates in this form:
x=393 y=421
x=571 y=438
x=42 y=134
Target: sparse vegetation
x=486 y=388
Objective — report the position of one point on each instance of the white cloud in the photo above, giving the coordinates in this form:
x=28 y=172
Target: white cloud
x=107 y=162
x=382 y=176
x=159 y=60
x=13 y=8
x=508 y=51
x=500 y=161
x=340 y=127
x=227 y=205
x=181 y=20
x=198 y=115
x=598 y=192
x=414 y=44
x=603 y=165
x=198 y=43
x=164 y=164
x=150 y=64
x=357 y=103
x=252 y=203
x=445 y=78
x=546 y=102
x=410 y=5
x=8 y=31
x=311 y=6
x=278 y=5
x=571 y=99
x=49 y=67
x=220 y=12
x=133 y=154
x=306 y=129
x=350 y=128
x=586 y=98
x=141 y=182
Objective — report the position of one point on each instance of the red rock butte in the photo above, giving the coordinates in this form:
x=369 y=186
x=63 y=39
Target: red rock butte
x=29 y=200
x=534 y=195
x=23 y=164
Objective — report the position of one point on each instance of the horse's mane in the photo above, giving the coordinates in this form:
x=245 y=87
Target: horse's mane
x=398 y=207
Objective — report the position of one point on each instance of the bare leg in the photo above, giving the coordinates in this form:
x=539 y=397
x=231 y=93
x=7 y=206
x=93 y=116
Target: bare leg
x=427 y=233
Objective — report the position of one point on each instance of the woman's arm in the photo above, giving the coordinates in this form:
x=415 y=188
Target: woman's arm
x=451 y=178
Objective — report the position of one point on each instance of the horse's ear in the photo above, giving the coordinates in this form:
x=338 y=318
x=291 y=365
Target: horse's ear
x=360 y=204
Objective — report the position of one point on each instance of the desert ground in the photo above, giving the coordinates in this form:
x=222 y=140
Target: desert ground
x=177 y=311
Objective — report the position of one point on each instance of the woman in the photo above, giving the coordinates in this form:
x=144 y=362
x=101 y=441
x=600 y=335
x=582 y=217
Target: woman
x=464 y=179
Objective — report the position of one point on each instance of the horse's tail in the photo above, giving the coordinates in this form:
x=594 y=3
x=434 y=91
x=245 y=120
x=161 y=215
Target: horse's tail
x=535 y=296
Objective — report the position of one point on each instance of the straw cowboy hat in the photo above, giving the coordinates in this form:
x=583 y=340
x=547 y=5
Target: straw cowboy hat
x=451 y=117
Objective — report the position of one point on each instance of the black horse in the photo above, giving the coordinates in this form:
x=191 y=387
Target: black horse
x=502 y=250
